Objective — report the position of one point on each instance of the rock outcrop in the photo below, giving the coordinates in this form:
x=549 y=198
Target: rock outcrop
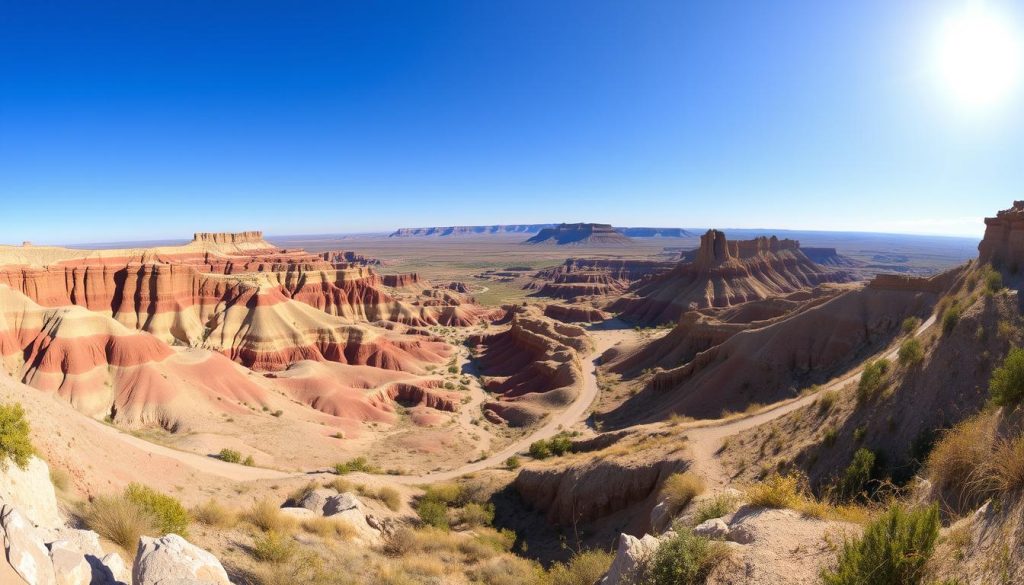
x=1003 y=244
x=722 y=273
x=578 y=234
x=172 y=559
x=470 y=230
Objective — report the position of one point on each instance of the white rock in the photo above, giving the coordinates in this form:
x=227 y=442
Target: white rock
x=660 y=518
x=86 y=542
x=118 y=570
x=171 y=559
x=26 y=553
x=298 y=512
x=715 y=528
x=629 y=556
x=342 y=502
x=31 y=492
x=69 y=564
x=315 y=500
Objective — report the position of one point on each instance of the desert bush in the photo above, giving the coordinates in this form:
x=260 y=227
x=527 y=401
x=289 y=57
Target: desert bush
x=910 y=324
x=679 y=489
x=993 y=281
x=212 y=513
x=15 y=443
x=1007 y=384
x=893 y=550
x=509 y=570
x=911 y=352
x=339 y=484
x=557 y=445
x=168 y=513
x=327 y=527
x=433 y=512
x=950 y=317
x=229 y=456
x=1008 y=464
x=399 y=543
x=474 y=514
x=856 y=476
x=450 y=494
x=958 y=464
x=354 y=465
x=777 y=491
x=684 y=559
x=266 y=516
x=273 y=547
x=119 y=520
x=584 y=568
x=512 y=462
x=390 y=497
x=872 y=379
x=715 y=507
x=827 y=400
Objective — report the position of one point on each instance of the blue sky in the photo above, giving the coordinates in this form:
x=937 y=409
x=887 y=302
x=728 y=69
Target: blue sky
x=140 y=120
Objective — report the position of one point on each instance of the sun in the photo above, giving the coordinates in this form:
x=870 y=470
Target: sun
x=978 y=56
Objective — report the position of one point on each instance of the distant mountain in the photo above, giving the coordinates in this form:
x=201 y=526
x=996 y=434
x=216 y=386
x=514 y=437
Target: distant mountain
x=530 y=228
x=568 y=234
x=470 y=230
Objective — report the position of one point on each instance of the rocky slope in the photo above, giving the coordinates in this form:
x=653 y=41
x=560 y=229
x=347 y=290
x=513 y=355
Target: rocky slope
x=722 y=273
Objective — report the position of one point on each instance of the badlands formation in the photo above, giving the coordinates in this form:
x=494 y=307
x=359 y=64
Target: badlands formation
x=747 y=411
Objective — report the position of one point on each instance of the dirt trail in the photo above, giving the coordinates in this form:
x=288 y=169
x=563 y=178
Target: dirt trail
x=705 y=437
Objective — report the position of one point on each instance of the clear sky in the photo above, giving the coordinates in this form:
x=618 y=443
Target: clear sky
x=142 y=120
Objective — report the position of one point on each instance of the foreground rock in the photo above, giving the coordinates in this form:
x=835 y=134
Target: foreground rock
x=173 y=560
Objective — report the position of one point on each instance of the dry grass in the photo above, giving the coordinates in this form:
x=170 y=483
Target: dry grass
x=390 y=497
x=212 y=513
x=960 y=463
x=339 y=484
x=332 y=528
x=266 y=516
x=1008 y=464
x=790 y=491
x=119 y=520
x=274 y=547
x=680 y=489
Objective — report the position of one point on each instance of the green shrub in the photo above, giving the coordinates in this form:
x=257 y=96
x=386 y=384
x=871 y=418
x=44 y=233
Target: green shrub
x=433 y=513
x=15 y=443
x=679 y=490
x=512 y=462
x=584 y=568
x=856 y=476
x=872 y=379
x=685 y=559
x=910 y=324
x=449 y=494
x=248 y=461
x=950 y=318
x=354 y=465
x=229 y=456
x=557 y=445
x=893 y=550
x=715 y=507
x=118 y=520
x=170 y=516
x=273 y=547
x=1007 y=384
x=473 y=514
x=993 y=281
x=911 y=352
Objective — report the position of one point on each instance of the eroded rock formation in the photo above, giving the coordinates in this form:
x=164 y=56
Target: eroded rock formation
x=599 y=234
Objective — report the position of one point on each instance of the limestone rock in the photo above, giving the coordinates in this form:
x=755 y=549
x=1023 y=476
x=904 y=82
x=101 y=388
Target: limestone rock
x=23 y=544
x=315 y=500
x=716 y=528
x=629 y=556
x=171 y=559
x=31 y=492
x=116 y=569
x=341 y=503
x=298 y=513
x=69 y=564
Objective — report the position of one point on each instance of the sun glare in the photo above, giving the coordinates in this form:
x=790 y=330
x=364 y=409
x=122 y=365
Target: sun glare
x=978 y=57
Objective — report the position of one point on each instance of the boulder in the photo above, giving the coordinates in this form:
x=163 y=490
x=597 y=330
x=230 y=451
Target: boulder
x=716 y=529
x=31 y=492
x=315 y=500
x=26 y=553
x=298 y=513
x=116 y=569
x=69 y=564
x=341 y=503
x=629 y=556
x=660 y=517
x=171 y=560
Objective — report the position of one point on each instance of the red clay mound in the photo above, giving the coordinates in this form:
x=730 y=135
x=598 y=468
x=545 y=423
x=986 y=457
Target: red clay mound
x=533 y=365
